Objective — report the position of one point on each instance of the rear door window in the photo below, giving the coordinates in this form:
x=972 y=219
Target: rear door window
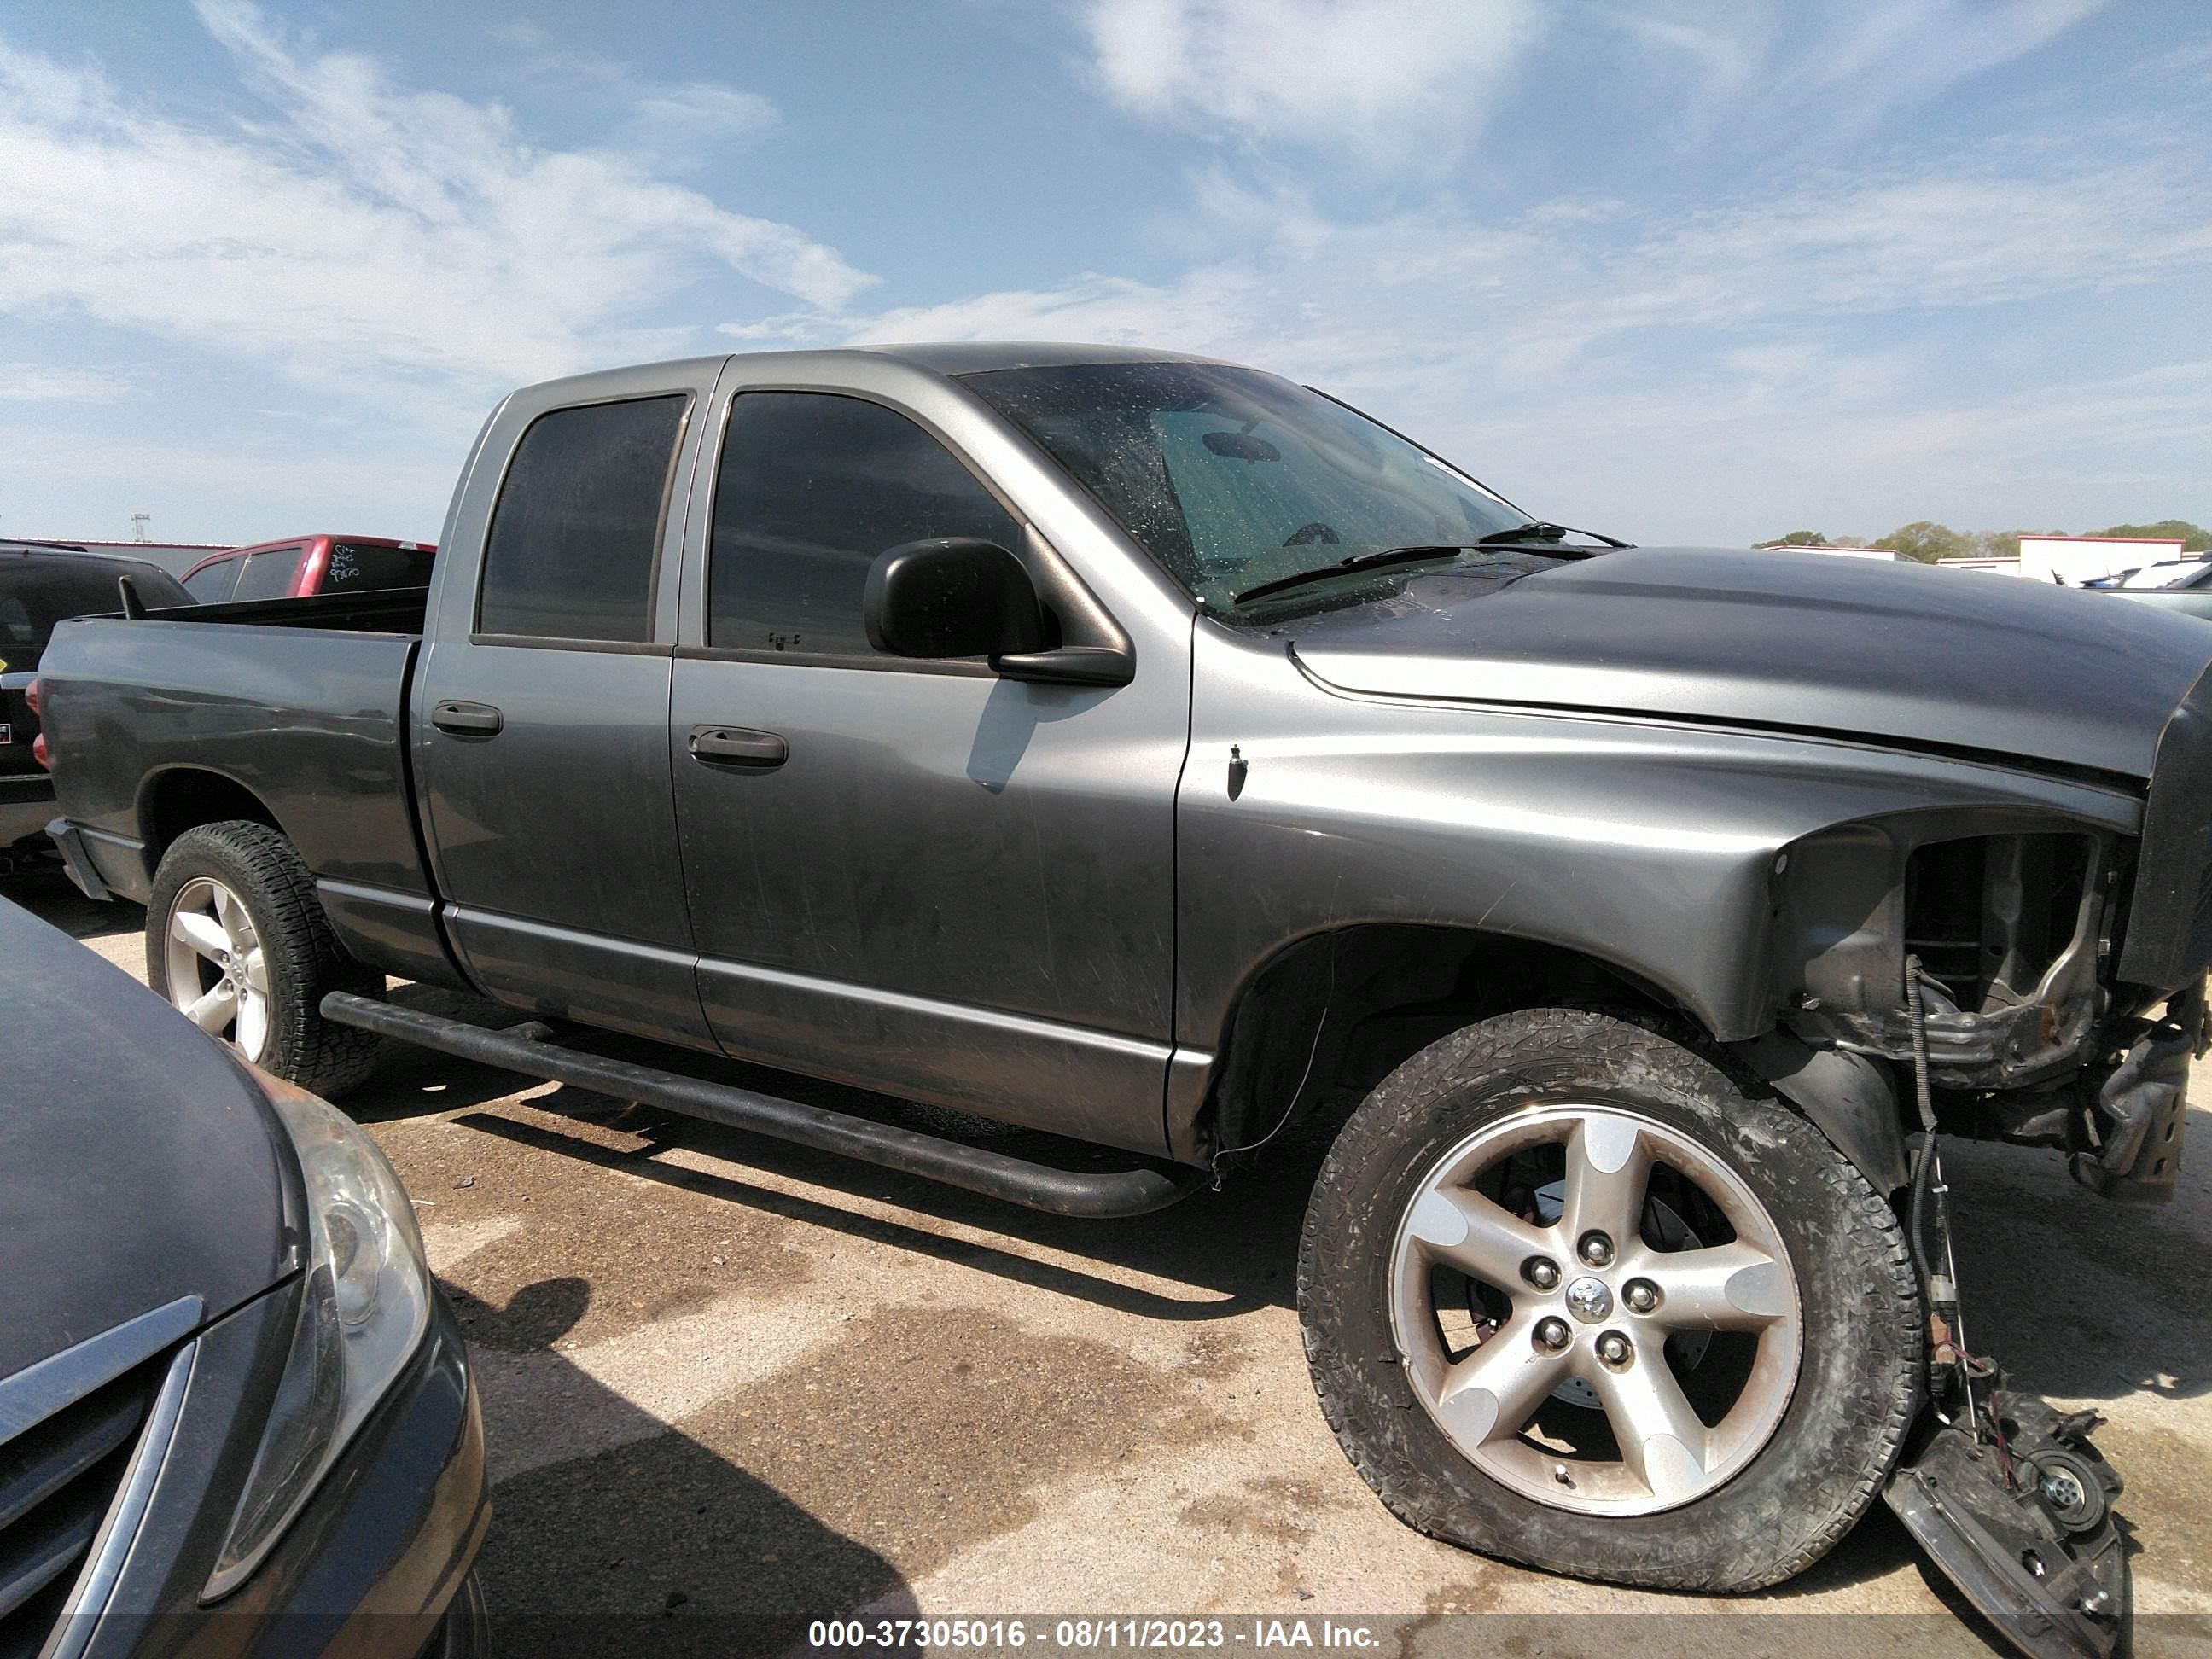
x=576 y=530
x=268 y=575
x=211 y=583
x=359 y=566
x=812 y=488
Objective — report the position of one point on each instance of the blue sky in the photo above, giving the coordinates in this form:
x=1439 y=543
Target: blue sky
x=1679 y=271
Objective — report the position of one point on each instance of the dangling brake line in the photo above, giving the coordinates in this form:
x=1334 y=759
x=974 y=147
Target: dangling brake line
x=1941 y=1287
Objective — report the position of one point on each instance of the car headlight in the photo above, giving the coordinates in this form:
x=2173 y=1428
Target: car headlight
x=365 y=1306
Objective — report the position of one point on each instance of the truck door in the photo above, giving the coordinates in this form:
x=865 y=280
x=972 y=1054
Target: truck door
x=541 y=723
x=913 y=876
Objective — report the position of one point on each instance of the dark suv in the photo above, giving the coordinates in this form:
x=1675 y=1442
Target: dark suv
x=39 y=586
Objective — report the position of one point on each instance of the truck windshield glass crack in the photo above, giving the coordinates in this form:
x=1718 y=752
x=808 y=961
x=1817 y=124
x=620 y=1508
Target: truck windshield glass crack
x=1234 y=479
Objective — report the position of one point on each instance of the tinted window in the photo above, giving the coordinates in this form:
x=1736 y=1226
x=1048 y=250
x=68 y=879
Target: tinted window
x=36 y=594
x=812 y=488
x=268 y=575
x=210 y=584
x=358 y=566
x=571 y=554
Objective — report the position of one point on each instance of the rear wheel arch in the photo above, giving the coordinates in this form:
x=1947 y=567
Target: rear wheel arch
x=177 y=798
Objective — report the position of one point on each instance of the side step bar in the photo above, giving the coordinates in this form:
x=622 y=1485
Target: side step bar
x=1061 y=1192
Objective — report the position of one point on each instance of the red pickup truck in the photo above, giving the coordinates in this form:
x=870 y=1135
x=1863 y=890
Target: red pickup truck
x=301 y=565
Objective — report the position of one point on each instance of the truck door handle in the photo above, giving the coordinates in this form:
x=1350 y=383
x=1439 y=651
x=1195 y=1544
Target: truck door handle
x=739 y=745
x=467 y=719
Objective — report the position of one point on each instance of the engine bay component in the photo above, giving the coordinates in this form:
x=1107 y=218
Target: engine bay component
x=2141 y=1108
x=2010 y=1499
x=2009 y=921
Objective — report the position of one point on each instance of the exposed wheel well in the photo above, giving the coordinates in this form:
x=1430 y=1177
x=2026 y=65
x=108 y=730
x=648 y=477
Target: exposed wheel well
x=184 y=798
x=1332 y=1015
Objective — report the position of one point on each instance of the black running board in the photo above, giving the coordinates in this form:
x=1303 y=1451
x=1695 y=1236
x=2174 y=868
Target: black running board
x=1038 y=1186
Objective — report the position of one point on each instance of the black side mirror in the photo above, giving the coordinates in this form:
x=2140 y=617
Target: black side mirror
x=954 y=596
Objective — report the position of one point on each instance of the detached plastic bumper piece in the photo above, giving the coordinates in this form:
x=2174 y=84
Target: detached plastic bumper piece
x=2143 y=1108
x=2020 y=1517
x=68 y=841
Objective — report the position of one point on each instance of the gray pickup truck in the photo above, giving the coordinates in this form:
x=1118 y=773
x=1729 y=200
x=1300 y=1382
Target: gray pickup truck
x=1158 y=753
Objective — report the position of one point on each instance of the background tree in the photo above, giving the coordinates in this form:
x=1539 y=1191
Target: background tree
x=2195 y=538
x=2003 y=543
x=1796 y=538
x=1928 y=541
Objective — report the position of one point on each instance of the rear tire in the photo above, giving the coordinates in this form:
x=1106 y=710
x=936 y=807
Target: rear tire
x=237 y=940
x=1538 y=1451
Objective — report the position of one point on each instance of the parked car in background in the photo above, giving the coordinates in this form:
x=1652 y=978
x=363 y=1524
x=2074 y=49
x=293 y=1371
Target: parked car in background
x=1153 y=752
x=2181 y=585
x=306 y=565
x=40 y=584
x=228 y=1382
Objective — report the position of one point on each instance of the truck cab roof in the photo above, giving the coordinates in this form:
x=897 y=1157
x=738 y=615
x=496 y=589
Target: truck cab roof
x=948 y=359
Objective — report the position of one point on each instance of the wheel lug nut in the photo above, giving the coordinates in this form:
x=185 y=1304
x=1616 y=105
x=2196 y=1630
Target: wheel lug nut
x=1541 y=1272
x=1595 y=1248
x=1641 y=1295
x=1552 y=1333
x=1613 y=1348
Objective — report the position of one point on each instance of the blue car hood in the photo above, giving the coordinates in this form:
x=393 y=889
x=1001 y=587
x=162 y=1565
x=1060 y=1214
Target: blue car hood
x=139 y=1164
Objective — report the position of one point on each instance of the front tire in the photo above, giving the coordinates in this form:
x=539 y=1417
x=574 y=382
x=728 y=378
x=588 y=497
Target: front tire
x=1573 y=1298
x=237 y=941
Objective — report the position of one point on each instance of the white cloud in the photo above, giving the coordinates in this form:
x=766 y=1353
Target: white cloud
x=1575 y=273
x=1599 y=359
x=364 y=235
x=1401 y=80
x=1790 y=69
x=84 y=482
x=673 y=122
x=1378 y=77
x=37 y=383
x=669 y=125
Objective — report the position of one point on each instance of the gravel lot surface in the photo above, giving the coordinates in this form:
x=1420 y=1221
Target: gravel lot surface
x=724 y=1376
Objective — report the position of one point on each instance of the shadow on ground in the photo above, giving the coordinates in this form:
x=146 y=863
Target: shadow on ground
x=656 y=1545
x=43 y=891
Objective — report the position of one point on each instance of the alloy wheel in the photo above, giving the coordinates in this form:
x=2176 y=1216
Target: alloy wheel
x=1549 y=1249
x=218 y=972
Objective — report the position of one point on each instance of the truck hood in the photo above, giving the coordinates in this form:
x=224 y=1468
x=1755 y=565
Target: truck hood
x=1902 y=654
x=137 y=1164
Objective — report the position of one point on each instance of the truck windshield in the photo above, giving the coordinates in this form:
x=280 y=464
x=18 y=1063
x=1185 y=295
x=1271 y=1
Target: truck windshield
x=1233 y=479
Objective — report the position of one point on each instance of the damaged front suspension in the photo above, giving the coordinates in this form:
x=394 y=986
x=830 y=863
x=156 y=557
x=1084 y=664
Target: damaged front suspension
x=2140 y=1107
x=2009 y=1498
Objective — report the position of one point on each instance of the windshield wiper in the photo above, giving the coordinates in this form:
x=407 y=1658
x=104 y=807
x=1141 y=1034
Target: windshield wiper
x=1536 y=529
x=1370 y=561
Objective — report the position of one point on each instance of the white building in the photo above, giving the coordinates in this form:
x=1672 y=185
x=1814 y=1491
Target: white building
x=1845 y=552
x=2075 y=560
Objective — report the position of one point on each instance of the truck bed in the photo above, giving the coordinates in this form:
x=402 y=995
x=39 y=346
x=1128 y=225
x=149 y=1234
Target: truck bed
x=300 y=703
x=385 y=610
